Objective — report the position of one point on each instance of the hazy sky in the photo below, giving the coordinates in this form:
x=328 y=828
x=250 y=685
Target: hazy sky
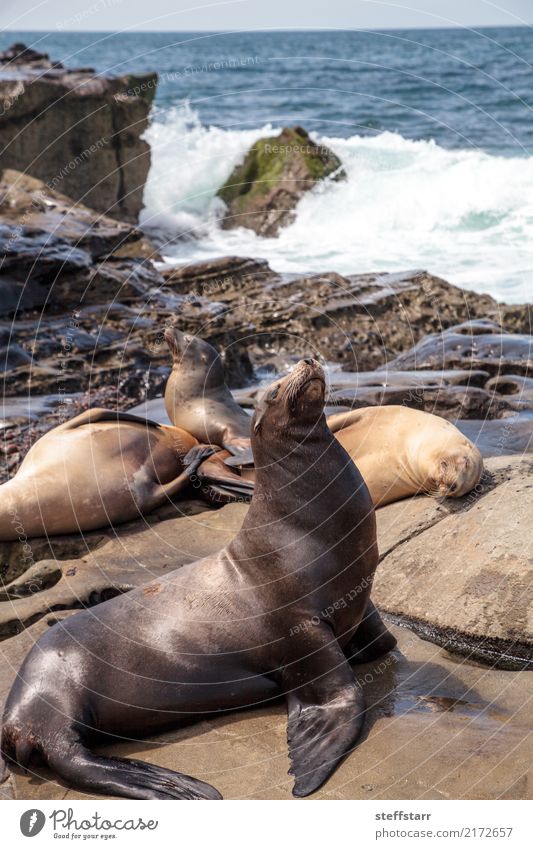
x=258 y=14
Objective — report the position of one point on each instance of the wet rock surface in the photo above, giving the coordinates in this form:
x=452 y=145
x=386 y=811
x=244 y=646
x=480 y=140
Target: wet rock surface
x=457 y=571
x=437 y=725
x=76 y=130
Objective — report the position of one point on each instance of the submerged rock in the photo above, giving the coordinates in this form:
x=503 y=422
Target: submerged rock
x=262 y=192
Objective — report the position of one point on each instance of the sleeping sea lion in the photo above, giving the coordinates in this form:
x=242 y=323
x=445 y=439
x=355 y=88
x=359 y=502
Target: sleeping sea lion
x=100 y=468
x=402 y=452
x=275 y=613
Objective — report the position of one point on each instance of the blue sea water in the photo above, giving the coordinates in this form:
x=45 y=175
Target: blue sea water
x=434 y=127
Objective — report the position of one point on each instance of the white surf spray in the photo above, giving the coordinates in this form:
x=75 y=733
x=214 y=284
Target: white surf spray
x=462 y=214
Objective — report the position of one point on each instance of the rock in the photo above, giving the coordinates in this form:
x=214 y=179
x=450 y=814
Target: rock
x=461 y=347
x=263 y=191
x=362 y=322
x=77 y=130
x=460 y=574
x=514 y=387
x=510 y=435
x=213 y=278
x=449 y=402
x=28 y=202
x=106 y=562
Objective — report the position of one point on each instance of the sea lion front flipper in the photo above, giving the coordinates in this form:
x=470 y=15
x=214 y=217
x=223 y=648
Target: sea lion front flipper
x=325 y=715
x=371 y=640
x=191 y=461
x=243 y=458
x=239 y=446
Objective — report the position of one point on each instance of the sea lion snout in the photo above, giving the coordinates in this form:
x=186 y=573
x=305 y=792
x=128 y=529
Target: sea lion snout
x=177 y=341
x=297 y=397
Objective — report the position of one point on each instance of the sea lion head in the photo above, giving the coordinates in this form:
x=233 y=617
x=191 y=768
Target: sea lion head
x=456 y=471
x=193 y=357
x=291 y=406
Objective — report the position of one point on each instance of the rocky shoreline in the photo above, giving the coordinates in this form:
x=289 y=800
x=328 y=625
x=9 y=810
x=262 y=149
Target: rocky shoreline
x=85 y=298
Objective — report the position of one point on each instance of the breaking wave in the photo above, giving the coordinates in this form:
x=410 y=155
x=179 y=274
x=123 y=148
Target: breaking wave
x=464 y=215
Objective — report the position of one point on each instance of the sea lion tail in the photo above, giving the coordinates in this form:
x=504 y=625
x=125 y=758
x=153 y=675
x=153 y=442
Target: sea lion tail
x=123 y=777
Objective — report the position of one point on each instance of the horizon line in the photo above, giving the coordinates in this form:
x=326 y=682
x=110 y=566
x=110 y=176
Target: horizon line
x=235 y=31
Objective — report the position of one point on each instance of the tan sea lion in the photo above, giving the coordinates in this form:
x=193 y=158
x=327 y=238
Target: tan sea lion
x=424 y=453
x=197 y=398
x=399 y=451
x=275 y=613
x=402 y=452
x=100 y=468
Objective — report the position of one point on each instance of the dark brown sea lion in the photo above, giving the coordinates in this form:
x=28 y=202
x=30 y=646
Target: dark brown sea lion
x=276 y=612
x=197 y=398
x=100 y=468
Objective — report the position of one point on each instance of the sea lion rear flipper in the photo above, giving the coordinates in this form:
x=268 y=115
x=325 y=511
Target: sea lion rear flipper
x=371 y=640
x=325 y=715
x=100 y=414
x=192 y=461
x=124 y=777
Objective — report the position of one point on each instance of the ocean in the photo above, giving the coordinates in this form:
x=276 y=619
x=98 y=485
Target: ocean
x=434 y=128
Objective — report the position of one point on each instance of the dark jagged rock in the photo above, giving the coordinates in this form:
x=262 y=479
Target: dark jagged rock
x=449 y=402
x=28 y=202
x=500 y=437
x=495 y=352
x=19 y=54
x=262 y=192
x=516 y=389
x=77 y=130
x=215 y=277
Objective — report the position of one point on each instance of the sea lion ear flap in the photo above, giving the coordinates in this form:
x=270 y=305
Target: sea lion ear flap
x=259 y=413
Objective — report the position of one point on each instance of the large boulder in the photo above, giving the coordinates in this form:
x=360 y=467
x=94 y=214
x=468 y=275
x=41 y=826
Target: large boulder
x=75 y=129
x=262 y=192
x=460 y=573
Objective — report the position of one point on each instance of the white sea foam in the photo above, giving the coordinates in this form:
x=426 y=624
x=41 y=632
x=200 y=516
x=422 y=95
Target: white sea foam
x=465 y=215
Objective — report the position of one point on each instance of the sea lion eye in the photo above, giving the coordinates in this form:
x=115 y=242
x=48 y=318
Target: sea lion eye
x=274 y=393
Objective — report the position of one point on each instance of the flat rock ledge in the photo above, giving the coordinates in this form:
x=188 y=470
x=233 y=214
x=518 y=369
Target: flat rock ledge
x=457 y=572
x=460 y=573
